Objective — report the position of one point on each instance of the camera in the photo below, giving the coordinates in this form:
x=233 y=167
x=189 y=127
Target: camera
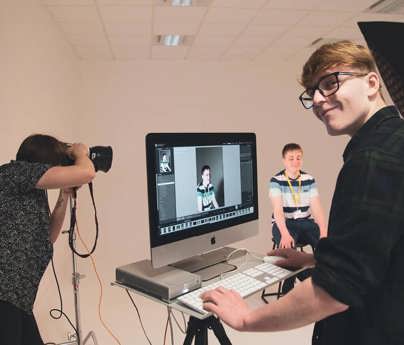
x=101 y=156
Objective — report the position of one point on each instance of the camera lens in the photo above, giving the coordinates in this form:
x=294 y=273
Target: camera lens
x=101 y=156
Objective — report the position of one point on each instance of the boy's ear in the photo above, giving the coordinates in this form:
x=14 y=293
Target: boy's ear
x=374 y=83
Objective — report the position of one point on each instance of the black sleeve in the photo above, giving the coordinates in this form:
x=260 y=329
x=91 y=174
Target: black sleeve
x=24 y=176
x=366 y=222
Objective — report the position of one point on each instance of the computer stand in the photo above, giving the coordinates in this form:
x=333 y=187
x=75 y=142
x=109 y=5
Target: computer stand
x=209 y=265
x=198 y=329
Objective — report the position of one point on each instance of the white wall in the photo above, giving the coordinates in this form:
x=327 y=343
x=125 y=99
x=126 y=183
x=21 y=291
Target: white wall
x=45 y=89
x=38 y=94
x=39 y=75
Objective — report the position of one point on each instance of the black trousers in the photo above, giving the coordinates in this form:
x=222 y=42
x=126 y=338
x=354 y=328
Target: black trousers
x=304 y=231
x=17 y=327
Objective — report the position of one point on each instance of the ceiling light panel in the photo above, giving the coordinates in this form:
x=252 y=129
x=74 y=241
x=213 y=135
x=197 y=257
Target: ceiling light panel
x=180 y=2
x=183 y=3
x=171 y=40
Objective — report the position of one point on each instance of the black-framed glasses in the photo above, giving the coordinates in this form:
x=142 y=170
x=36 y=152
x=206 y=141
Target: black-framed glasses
x=327 y=86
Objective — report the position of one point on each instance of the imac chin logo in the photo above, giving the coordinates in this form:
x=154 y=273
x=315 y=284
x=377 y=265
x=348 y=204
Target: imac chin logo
x=213 y=240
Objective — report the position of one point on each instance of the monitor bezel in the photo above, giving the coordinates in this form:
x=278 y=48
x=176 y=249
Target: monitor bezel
x=193 y=139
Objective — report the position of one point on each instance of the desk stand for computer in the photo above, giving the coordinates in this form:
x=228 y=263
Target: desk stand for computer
x=198 y=329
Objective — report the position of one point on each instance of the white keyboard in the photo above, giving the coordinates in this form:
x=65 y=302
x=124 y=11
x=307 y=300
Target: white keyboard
x=245 y=283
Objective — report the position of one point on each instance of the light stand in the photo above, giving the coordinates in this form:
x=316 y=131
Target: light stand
x=76 y=276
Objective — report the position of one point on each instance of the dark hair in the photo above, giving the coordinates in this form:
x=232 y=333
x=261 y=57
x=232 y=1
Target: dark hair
x=40 y=148
x=291 y=147
x=205 y=167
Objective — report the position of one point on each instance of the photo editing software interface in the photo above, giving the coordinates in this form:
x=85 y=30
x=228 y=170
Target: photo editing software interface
x=203 y=186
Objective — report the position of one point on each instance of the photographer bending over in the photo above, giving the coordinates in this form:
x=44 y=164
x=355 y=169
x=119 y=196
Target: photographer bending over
x=28 y=229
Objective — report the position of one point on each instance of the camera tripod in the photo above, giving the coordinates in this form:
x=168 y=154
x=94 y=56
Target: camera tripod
x=198 y=329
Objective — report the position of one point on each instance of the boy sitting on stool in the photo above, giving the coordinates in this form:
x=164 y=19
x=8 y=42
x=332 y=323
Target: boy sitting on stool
x=294 y=197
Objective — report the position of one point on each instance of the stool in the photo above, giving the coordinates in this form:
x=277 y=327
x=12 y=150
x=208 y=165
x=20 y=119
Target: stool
x=279 y=293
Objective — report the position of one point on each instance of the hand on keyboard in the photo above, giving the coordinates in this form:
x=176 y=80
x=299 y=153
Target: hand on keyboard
x=293 y=258
x=245 y=283
x=272 y=259
x=228 y=305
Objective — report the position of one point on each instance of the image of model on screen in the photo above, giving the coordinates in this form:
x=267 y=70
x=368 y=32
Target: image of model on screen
x=165 y=164
x=206 y=192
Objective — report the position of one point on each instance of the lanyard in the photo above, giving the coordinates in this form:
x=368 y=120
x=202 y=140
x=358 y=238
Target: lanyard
x=295 y=196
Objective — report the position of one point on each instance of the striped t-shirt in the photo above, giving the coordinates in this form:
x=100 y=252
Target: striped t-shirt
x=206 y=195
x=279 y=186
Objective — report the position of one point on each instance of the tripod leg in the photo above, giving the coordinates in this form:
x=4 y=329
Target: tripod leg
x=201 y=336
x=198 y=330
x=191 y=331
x=219 y=331
x=188 y=339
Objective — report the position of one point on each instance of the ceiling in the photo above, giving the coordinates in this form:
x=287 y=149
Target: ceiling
x=215 y=29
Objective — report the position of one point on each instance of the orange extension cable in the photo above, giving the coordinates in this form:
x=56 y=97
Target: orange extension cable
x=106 y=327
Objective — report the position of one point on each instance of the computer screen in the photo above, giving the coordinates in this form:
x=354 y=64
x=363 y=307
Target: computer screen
x=202 y=189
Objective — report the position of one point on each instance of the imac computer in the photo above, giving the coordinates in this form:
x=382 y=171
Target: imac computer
x=202 y=194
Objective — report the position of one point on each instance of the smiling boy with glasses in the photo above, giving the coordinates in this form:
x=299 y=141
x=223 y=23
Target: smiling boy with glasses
x=356 y=292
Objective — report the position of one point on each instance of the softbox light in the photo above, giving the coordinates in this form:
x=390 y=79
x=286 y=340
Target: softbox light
x=386 y=42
